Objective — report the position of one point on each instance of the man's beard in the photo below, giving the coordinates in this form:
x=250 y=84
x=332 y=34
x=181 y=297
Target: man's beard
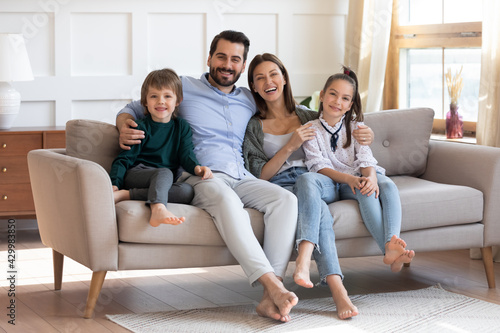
x=222 y=81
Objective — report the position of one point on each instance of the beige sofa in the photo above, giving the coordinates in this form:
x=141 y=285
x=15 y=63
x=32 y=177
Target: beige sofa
x=449 y=193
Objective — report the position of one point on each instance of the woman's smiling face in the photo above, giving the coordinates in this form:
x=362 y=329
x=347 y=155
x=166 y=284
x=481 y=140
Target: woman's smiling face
x=268 y=81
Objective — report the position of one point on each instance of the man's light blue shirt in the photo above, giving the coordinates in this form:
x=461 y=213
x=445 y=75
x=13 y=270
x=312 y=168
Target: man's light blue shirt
x=218 y=121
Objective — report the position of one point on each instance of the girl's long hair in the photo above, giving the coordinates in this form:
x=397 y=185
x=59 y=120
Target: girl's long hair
x=356 y=112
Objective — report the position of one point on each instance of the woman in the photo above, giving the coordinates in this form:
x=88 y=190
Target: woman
x=272 y=151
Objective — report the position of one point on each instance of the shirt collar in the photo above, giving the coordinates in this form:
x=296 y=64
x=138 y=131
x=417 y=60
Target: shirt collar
x=204 y=79
x=334 y=128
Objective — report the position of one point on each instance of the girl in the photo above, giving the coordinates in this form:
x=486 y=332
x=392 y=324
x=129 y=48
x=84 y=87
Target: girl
x=273 y=151
x=146 y=171
x=335 y=153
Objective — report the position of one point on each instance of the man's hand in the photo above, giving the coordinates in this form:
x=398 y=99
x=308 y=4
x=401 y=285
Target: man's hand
x=364 y=135
x=129 y=135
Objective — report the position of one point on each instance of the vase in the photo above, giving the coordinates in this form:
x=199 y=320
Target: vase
x=454 y=123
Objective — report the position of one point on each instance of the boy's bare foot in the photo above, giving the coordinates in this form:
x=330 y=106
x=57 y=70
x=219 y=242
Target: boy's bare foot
x=345 y=308
x=276 y=301
x=121 y=195
x=161 y=215
x=405 y=258
x=394 y=249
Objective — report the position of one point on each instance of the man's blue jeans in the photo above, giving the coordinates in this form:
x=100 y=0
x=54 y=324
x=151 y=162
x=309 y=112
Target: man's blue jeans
x=314 y=192
x=382 y=215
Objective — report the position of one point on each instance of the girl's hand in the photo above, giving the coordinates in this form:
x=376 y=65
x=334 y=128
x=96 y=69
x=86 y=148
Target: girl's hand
x=370 y=186
x=300 y=135
x=115 y=188
x=356 y=183
x=203 y=172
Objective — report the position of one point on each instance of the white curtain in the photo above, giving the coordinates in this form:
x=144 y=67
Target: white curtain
x=488 y=122
x=367 y=44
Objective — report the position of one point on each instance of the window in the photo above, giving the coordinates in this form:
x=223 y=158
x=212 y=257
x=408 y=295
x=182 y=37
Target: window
x=429 y=37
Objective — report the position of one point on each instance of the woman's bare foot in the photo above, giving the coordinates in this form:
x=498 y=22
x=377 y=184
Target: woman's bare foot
x=394 y=249
x=345 y=308
x=276 y=301
x=161 y=215
x=405 y=258
x=301 y=274
x=121 y=195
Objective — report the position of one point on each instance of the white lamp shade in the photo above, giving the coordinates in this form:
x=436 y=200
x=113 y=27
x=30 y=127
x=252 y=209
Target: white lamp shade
x=14 y=61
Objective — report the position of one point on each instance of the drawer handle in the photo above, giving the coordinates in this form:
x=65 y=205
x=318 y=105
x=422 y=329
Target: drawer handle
x=4 y=197
x=4 y=169
x=4 y=145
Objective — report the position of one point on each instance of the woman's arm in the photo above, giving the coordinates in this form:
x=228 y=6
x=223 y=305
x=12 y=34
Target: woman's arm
x=299 y=136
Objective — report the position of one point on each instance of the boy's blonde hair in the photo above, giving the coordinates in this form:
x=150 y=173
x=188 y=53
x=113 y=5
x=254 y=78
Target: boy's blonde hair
x=161 y=79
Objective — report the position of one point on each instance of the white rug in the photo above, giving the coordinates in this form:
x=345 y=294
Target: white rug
x=426 y=310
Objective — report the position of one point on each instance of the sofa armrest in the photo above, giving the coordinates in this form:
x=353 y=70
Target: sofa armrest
x=75 y=208
x=474 y=166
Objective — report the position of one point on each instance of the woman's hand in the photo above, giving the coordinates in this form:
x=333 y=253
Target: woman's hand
x=203 y=172
x=364 y=135
x=300 y=135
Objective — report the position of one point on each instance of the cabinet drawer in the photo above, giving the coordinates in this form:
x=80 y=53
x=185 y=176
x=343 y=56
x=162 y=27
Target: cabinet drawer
x=16 y=197
x=14 y=170
x=19 y=144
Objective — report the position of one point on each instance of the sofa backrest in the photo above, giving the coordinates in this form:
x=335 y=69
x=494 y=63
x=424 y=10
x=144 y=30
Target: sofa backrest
x=92 y=140
x=401 y=142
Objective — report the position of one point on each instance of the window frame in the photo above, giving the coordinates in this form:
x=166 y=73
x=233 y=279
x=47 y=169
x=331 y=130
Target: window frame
x=446 y=35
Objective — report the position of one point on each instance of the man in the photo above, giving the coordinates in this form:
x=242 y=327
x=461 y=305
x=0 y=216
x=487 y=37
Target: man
x=218 y=113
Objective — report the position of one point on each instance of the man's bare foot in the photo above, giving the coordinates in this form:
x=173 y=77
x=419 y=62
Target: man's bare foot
x=394 y=249
x=405 y=258
x=276 y=301
x=345 y=308
x=277 y=306
x=121 y=195
x=161 y=215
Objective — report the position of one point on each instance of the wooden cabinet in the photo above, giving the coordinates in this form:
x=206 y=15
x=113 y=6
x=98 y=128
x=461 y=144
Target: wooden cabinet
x=16 y=199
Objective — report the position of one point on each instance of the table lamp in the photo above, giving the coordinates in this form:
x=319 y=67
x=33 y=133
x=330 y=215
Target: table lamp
x=14 y=66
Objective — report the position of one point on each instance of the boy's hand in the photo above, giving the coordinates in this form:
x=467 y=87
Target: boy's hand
x=129 y=135
x=115 y=188
x=203 y=172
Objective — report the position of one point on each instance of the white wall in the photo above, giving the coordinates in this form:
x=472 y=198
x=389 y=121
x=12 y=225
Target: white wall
x=90 y=57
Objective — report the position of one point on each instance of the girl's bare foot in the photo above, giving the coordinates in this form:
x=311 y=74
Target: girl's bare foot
x=161 y=215
x=345 y=308
x=394 y=249
x=405 y=258
x=301 y=274
x=121 y=195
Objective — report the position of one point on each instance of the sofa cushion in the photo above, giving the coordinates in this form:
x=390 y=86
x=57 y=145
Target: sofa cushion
x=401 y=142
x=92 y=140
x=198 y=229
x=424 y=204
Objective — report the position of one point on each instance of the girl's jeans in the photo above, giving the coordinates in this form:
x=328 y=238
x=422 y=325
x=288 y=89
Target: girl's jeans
x=314 y=192
x=382 y=215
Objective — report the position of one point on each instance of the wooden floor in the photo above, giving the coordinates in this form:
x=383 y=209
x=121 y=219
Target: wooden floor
x=41 y=309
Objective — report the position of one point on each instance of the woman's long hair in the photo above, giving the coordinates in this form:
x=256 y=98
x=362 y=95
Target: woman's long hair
x=356 y=112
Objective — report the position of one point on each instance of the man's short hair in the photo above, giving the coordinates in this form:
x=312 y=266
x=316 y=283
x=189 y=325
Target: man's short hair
x=233 y=37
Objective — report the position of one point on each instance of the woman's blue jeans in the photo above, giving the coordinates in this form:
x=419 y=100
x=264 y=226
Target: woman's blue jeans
x=382 y=215
x=314 y=192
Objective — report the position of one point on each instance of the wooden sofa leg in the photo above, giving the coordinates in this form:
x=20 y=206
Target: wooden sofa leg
x=58 y=261
x=488 y=265
x=95 y=289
